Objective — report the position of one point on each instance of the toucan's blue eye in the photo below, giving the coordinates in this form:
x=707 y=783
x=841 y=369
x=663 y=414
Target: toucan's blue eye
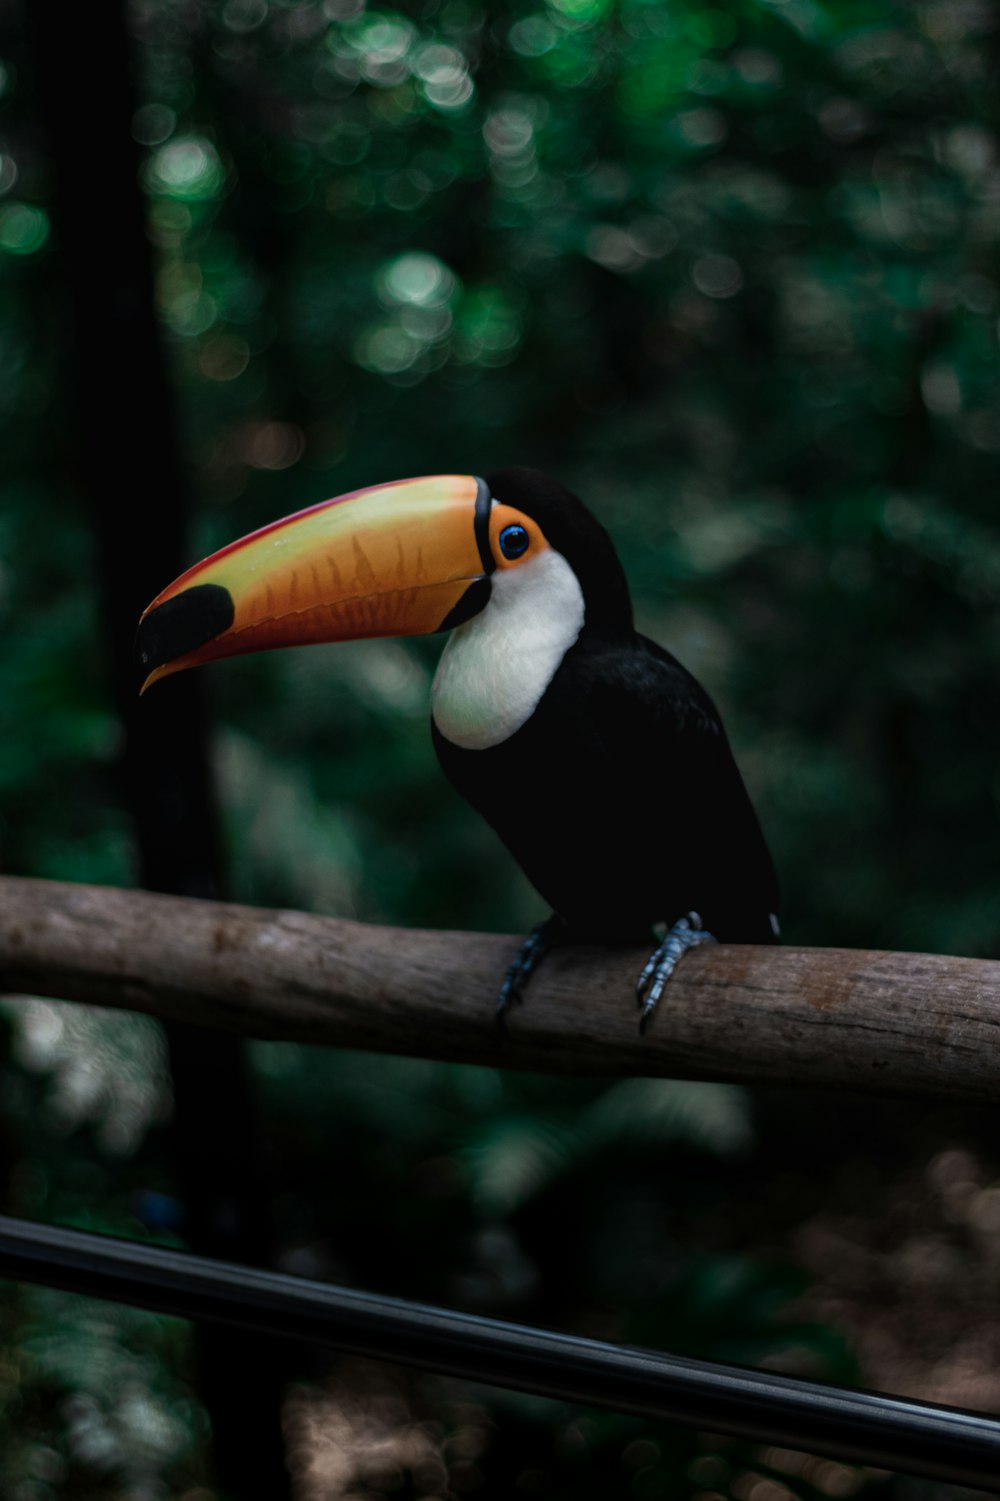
x=514 y=541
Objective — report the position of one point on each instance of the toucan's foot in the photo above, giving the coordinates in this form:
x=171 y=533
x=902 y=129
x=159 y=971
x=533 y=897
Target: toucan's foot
x=543 y=937
x=685 y=934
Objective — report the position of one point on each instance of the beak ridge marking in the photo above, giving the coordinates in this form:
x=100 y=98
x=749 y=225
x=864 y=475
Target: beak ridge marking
x=365 y=581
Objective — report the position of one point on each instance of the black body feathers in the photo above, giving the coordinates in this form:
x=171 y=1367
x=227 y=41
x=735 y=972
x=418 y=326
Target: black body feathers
x=621 y=801
x=619 y=797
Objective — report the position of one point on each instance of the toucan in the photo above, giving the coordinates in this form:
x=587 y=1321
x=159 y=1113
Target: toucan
x=597 y=758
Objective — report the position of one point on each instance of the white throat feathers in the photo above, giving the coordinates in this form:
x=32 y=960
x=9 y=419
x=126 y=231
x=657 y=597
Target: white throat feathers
x=496 y=667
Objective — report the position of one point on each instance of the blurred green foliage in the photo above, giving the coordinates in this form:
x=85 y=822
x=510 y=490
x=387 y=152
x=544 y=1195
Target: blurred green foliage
x=732 y=273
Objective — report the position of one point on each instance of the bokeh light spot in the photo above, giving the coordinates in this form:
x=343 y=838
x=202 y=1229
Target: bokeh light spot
x=702 y=127
x=615 y=249
x=8 y=172
x=273 y=445
x=717 y=275
x=244 y=15
x=23 y=228
x=188 y=309
x=756 y=67
x=224 y=357
x=188 y=167
x=941 y=390
x=386 y=349
x=383 y=43
x=489 y=327
x=444 y=76
x=417 y=278
x=581 y=10
x=533 y=37
x=153 y=124
x=508 y=132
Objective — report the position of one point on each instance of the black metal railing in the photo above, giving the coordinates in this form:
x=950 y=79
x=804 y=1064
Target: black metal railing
x=895 y=1433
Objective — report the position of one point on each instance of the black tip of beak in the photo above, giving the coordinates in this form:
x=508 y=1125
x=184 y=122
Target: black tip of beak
x=182 y=624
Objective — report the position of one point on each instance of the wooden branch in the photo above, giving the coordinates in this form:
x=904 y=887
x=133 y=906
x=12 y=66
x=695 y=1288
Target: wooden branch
x=841 y=1018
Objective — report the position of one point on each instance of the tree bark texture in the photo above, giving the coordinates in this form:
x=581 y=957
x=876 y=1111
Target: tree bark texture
x=832 y=1018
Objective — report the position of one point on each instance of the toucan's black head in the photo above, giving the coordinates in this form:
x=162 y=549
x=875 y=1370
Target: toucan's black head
x=570 y=529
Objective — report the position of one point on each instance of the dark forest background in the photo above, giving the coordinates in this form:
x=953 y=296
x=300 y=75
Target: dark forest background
x=732 y=273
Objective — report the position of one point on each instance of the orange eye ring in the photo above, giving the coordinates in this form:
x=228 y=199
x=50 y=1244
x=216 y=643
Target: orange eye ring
x=514 y=537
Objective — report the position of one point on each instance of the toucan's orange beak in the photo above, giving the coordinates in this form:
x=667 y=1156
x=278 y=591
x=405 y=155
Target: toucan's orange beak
x=403 y=559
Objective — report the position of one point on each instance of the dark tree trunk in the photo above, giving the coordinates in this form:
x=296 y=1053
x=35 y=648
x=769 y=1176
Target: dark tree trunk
x=131 y=477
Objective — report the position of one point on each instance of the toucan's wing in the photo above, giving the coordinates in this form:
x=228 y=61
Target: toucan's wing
x=657 y=721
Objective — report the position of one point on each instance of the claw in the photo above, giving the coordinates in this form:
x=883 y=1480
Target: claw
x=685 y=934
x=529 y=956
